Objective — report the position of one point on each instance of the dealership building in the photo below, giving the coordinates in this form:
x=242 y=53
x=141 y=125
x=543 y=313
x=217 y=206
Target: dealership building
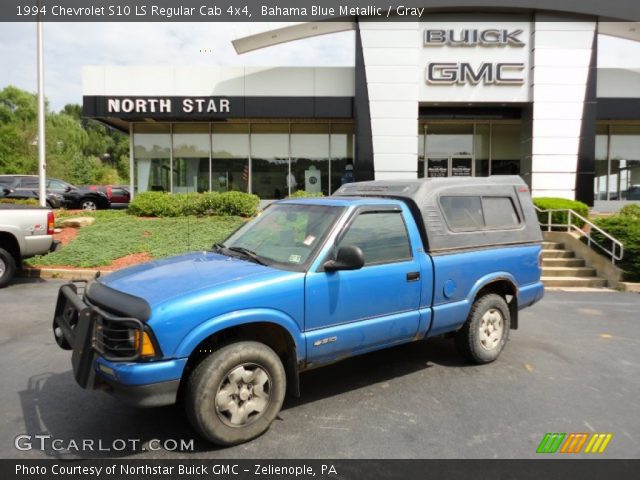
x=456 y=94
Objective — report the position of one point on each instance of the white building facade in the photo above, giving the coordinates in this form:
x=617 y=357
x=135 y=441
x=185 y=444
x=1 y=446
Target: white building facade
x=453 y=95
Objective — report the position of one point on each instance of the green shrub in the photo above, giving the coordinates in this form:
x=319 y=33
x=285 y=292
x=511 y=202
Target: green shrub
x=632 y=210
x=625 y=228
x=552 y=203
x=16 y=201
x=238 y=203
x=305 y=194
x=159 y=204
x=149 y=204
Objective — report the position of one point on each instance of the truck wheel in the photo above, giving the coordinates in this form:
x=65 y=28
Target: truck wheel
x=236 y=392
x=7 y=267
x=484 y=334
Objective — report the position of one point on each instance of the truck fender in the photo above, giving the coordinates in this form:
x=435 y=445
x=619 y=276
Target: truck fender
x=237 y=318
x=488 y=279
x=495 y=277
x=17 y=235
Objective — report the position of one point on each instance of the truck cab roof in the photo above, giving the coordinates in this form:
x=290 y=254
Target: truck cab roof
x=344 y=201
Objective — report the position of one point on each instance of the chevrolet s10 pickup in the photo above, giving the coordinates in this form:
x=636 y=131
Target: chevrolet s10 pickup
x=307 y=283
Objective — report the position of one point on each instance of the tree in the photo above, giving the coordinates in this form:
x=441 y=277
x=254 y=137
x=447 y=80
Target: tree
x=18 y=131
x=78 y=150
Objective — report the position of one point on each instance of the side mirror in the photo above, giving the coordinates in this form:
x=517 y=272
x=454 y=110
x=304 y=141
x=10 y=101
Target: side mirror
x=68 y=189
x=7 y=191
x=349 y=257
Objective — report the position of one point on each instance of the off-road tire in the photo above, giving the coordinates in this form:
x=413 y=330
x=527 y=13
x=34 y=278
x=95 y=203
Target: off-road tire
x=213 y=372
x=469 y=339
x=7 y=267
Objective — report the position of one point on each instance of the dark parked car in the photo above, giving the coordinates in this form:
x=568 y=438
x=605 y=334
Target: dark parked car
x=118 y=195
x=74 y=197
x=633 y=192
x=8 y=190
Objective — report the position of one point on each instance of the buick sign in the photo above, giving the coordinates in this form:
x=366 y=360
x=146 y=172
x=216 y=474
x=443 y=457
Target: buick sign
x=471 y=38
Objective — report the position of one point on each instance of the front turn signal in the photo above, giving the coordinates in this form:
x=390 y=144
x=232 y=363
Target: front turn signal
x=143 y=344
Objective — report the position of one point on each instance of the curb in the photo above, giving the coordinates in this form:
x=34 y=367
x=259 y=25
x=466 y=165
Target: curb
x=61 y=273
x=629 y=287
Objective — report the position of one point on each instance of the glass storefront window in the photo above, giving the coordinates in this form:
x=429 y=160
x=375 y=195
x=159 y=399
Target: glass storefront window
x=152 y=154
x=624 y=153
x=505 y=149
x=310 y=158
x=474 y=148
x=601 y=177
x=481 y=149
x=230 y=157
x=342 y=152
x=420 y=151
x=617 y=166
x=270 y=161
x=454 y=139
x=191 y=158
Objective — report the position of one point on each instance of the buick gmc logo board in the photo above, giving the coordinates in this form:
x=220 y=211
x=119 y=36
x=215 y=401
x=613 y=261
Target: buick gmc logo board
x=464 y=72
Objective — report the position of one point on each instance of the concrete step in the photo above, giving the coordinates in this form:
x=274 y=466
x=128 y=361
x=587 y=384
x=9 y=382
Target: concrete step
x=552 y=246
x=590 y=282
x=568 y=272
x=557 y=254
x=562 y=262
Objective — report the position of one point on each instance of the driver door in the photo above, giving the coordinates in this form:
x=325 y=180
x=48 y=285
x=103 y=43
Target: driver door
x=352 y=311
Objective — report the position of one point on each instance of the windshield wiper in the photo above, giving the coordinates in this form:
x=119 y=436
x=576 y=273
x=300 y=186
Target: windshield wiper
x=218 y=247
x=247 y=253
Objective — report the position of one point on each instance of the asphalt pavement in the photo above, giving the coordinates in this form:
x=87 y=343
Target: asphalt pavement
x=573 y=366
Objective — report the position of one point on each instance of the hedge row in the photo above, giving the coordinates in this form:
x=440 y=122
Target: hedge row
x=632 y=210
x=160 y=204
x=625 y=227
x=16 y=201
x=560 y=218
x=305 y=194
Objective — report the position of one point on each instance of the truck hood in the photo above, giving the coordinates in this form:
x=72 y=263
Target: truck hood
x=162 y=280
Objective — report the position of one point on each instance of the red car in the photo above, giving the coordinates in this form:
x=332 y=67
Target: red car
x=118 y=195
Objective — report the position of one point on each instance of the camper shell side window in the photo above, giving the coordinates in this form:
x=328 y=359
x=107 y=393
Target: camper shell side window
x=467 y=213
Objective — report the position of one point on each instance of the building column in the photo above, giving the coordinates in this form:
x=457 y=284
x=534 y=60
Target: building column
x=562 y=57
x=390 y=51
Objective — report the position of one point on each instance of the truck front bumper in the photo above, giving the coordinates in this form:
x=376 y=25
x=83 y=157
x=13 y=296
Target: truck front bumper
x=151 y=395
x=76 y=327
x=148 y=384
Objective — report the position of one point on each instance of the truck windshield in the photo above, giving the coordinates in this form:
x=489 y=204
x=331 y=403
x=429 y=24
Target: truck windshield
x=284 y=235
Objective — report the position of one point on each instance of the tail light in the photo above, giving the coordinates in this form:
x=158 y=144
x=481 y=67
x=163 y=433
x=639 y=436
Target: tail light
x=540 y=259
x=51 y=222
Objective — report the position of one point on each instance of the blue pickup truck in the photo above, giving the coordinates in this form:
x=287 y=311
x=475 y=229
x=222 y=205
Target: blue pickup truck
x=307 y=283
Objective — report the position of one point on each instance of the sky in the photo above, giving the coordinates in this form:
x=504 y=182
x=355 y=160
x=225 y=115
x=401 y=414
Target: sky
x=70 y=46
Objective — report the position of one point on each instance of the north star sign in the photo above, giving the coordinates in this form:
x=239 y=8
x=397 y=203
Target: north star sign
x=488 y=73
x=168 y=105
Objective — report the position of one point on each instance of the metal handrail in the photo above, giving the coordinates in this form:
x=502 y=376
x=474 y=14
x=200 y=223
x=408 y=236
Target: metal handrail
x=617 y=248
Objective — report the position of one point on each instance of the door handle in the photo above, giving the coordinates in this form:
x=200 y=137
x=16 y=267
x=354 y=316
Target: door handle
x=413 y=276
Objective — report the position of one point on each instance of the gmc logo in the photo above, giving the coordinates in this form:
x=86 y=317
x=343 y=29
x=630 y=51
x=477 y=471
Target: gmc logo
x=449 y=73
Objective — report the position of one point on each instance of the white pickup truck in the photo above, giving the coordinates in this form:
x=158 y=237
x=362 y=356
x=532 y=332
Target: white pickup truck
x=24 y=232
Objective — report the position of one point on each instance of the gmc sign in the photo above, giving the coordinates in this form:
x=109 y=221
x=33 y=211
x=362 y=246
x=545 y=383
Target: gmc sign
x=446 y=73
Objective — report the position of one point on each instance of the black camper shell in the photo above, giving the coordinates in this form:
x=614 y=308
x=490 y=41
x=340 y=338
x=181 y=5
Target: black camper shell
x=455 y=213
